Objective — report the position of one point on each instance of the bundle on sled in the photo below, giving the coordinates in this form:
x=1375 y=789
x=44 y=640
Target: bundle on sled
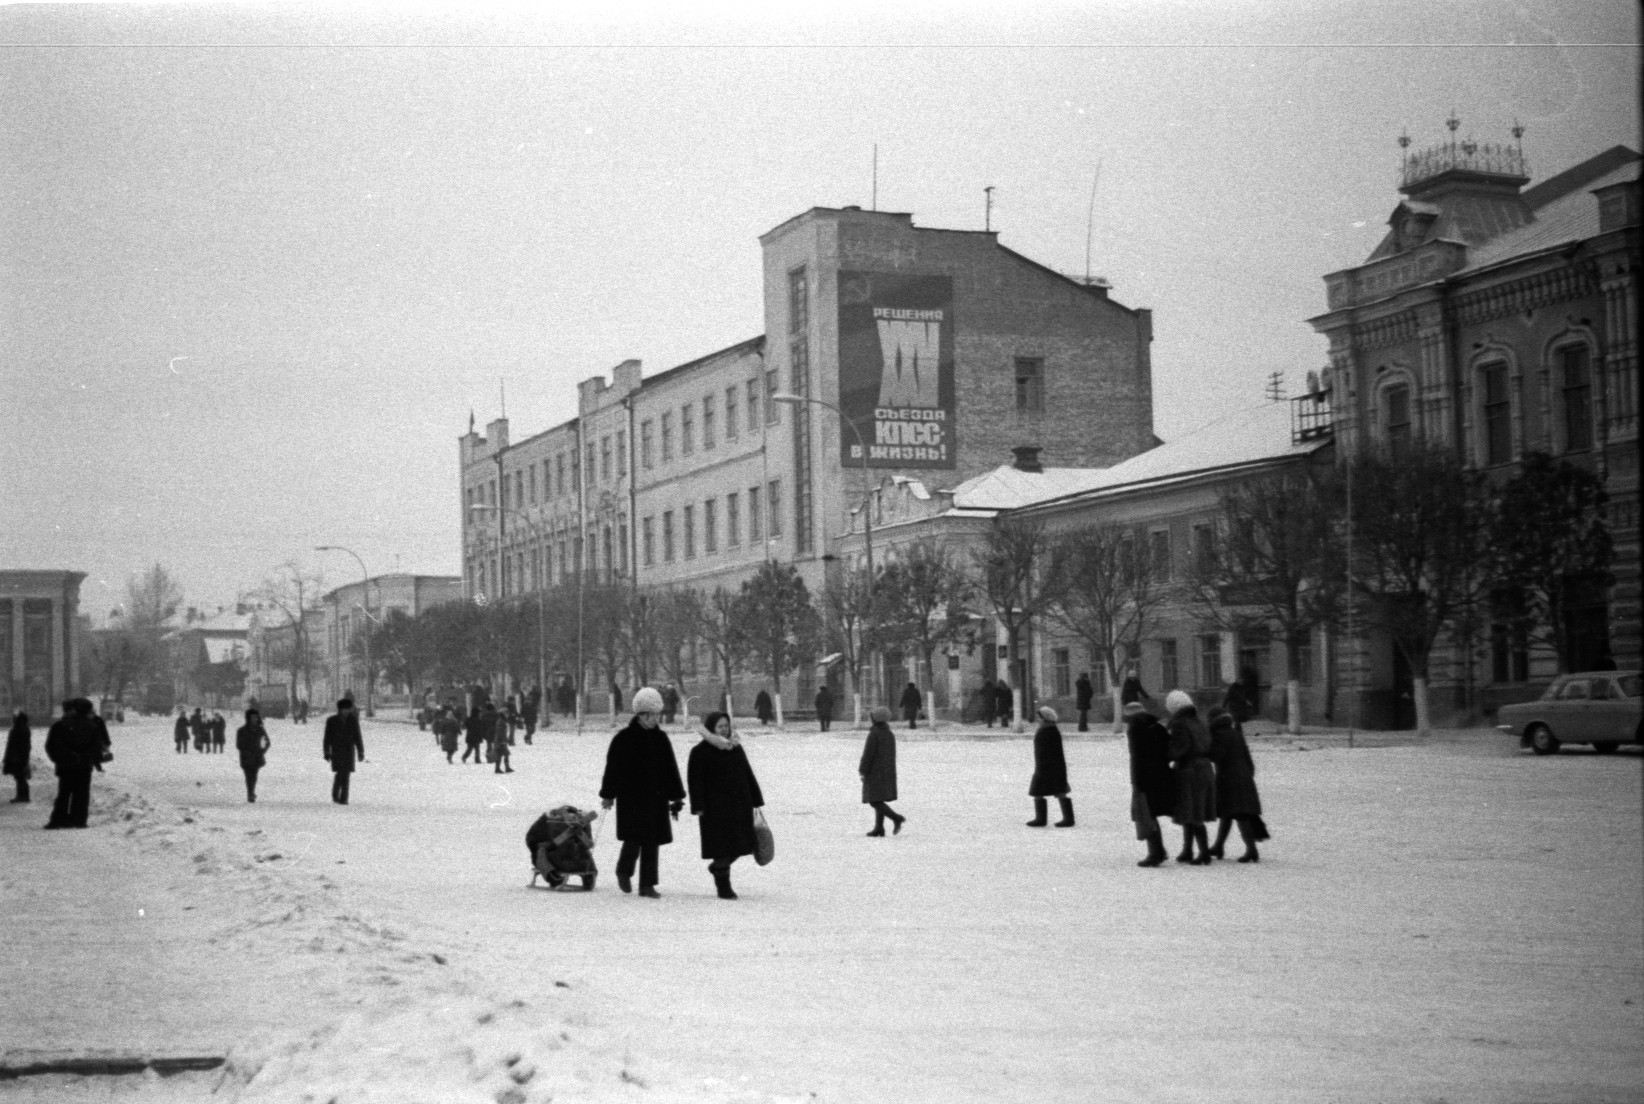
x=562 y=847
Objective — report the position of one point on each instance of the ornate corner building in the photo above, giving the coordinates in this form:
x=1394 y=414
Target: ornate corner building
x=1500 y=320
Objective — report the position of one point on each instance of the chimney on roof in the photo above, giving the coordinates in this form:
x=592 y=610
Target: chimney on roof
x=1027 y=458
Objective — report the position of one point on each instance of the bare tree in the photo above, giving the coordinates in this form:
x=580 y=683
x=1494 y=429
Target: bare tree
x=1022 y=572
x=152 y=599
x=1111 y=593
x=924 y=593
x=718 y=628
x=675 y=617
x=294 y=593
x=848 y=610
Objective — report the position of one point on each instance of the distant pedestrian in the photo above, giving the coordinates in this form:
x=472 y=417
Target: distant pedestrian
x=642 y=781
x=1236 y=703
x=670 y=703
x=1049 y=773
x=502 y=741
x=1005 y=702
x=74 y=744
x=179 y=731
x=762 y=707
x=990 y=702
x=1152 y=786
x=910 y=704
x=616 y=698
x=252 y=742
x=302 y=711
x=19 y=744
x=724 y=793
x=449 y=730
x=342 y=744
x=878 y=770
x=199 y=729
x=1083 y=692
x=824 y=706
x=492 y=729
x=219 y=732
x=529 y=712
x=1131 y=690
x=1195 y=776
x=1236 y=795
x=474 y=735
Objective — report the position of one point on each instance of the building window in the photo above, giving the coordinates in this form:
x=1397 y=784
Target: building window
x=707 y=422
x=1509 y=638
x=1061 y=666
x=1170 y=673
x=519 y=490
x=564 y=564
x=645 y=445
x=647 y=538
x=710 y=530
x=559 y=465
x=687 y=429
x=491 y=493
x=753 y=404
x=667 y=437
x=1304 y=661
x=770 y=389
x=730 y=413
x=1204 y=548
x=1397 y=400
x=547 y=479
x=773 y=507
x=755 y=532
x=1498 y=413
x=532 y=484
x=1160 y=539
x=1210 y=659
x=622 y=547
x=690 y=532
x=1576 y=370
x=667 y=536
x=1030 y=385
x=605 y=458
x=621 y=453
x=732 y=520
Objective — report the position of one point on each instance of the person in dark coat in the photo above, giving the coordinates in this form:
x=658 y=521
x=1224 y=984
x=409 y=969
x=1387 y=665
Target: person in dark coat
x=342 y=743
x=474 y=736
x=990 y=702
x=449 y=730
x=670 y=703
x=1236 y=704
x=179 y=731
x=910 y=704
x=1131 y=690
x=252 y=742
x=878 y=771
x=1236 y=795
x=528 y=711
x=198 y=728
x=1083 y=692
x=1152 y=786
x=1049 y=772
x=762 y=707
x=1004 y=700
x=19 y=743
x=75 y=745
x=642 y=781
x=824 y=707
x=1195 y=776
x=219 y=732
x=724 y=794
x=616 y=698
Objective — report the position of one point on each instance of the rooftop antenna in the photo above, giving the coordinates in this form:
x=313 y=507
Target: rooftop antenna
x=502 y=390
x=875 y=201
x=1275 y=386
x=1090 y=219
x=987 y=210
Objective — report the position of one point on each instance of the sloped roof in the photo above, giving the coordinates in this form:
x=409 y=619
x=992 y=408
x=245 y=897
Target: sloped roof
x=1566 y=219
x=1009 y=488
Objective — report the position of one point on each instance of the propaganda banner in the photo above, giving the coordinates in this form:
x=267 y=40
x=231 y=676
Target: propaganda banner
x=896 y=369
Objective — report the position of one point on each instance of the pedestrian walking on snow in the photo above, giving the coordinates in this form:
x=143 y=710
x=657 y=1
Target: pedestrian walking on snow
x=219 y=732
x=1049 y=773
x=724 y=794
x=1004 y=700
x=1083 y=693
x=75 y=744
x=342 y=744
x=762 y=707
x=824 y=707
x=1152 y=786
x=670 y=703
x=529 y=711
x=1195 y=776
x=1236 y=795
x=910 y=704
x=990 y=702
x=474 y=735
x=19 y=744
x=179 y=731
x=252 y=742
x=199 y=730
x=878 y=771
x=642 y=781
x=449 y=731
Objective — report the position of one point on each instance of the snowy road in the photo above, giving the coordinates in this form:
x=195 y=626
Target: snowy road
x=1455 y=922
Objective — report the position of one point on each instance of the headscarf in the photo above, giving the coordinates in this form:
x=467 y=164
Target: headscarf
x=723 y=743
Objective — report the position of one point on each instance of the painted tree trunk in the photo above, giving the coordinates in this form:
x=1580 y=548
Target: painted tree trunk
x=1292 y=706
x=1418 y=688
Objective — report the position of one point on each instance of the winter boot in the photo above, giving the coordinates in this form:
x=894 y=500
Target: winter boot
x=1067 y=812
x=1204 y=845
x=1156 y=853
x=896 y=827
x=1041 y=814
x=1248 y=834
x=722 y=882
x=1186 y=855
x=1222 y=829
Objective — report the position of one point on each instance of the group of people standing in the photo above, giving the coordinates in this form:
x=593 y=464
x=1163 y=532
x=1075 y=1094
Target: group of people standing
x=209 y=733
x=77 y=743
x=487 y=732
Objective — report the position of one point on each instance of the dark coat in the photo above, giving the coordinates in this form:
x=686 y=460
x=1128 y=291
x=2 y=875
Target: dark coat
x=642 y=777
x=1150 y=773
x=219 y=729
x=179 y=731
x=762 y=707
x=1237 y=702
x=1002 y=699
x=1083 y=692
x=73 y=743
x=1195 y=774
x=911 y=702
x=990 y=699
x=252 y=742
x=824 y=704
x=343 y=741
x=1131 y=691
x=19 y=742
x=1236 y=794
x=476 y=728
x=449 y=728
x=1049 y=764
x=724 y=794
x=878 y=765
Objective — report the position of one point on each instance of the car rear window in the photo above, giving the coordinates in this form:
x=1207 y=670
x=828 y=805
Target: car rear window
x=1630 y=685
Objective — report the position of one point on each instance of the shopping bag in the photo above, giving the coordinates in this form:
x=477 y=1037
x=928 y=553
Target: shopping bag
x=764 y=842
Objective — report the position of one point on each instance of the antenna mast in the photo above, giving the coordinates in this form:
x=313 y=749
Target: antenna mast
x=875 y=205
x=1090 y=219
x=502 y=391
x=987 y=210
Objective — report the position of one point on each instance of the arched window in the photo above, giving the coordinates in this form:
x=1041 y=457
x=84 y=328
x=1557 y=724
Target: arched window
x=1396 y=421
x=1575 y=376
x=1496 y=410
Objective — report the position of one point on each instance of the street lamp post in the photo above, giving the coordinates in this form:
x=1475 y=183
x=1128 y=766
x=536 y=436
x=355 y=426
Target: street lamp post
x=365 y=582
x=791 y=399
x=536 y=535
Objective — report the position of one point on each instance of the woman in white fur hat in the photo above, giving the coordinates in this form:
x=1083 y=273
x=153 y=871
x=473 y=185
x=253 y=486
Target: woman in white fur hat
x=642 y=781
x=1195 y=776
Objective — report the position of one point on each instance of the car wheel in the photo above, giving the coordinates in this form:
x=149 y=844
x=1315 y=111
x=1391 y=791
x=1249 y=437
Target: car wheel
x=1542 y=741
x=1606 y=748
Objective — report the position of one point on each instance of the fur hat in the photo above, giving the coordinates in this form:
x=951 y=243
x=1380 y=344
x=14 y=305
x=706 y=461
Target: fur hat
x=879 y=715
x=1178 y=700
x=647 y=700
x=345 y=703
x=1047 y=714
x=1135 y=709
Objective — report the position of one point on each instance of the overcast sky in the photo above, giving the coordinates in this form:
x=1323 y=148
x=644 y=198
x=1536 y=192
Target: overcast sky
x=259 y=263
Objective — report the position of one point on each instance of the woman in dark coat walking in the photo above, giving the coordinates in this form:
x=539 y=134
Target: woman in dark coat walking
x=642 y=781
x=1152 y=786
x=448 y=729
x=762 y=707
x=1236 y=795
x=179 y=731
x=1004 y=701
x=1049 y=772
x=909 y=704
x=724 y=794
x=252 y=742
x=1195 y=776
x=824 y=707
x=878 y=771
x=19 y=743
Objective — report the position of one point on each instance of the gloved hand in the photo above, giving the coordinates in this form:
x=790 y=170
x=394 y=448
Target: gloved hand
x=606 y=803
x=673 y=810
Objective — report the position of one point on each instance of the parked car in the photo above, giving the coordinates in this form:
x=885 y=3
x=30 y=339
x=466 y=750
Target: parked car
x=1601 y=708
